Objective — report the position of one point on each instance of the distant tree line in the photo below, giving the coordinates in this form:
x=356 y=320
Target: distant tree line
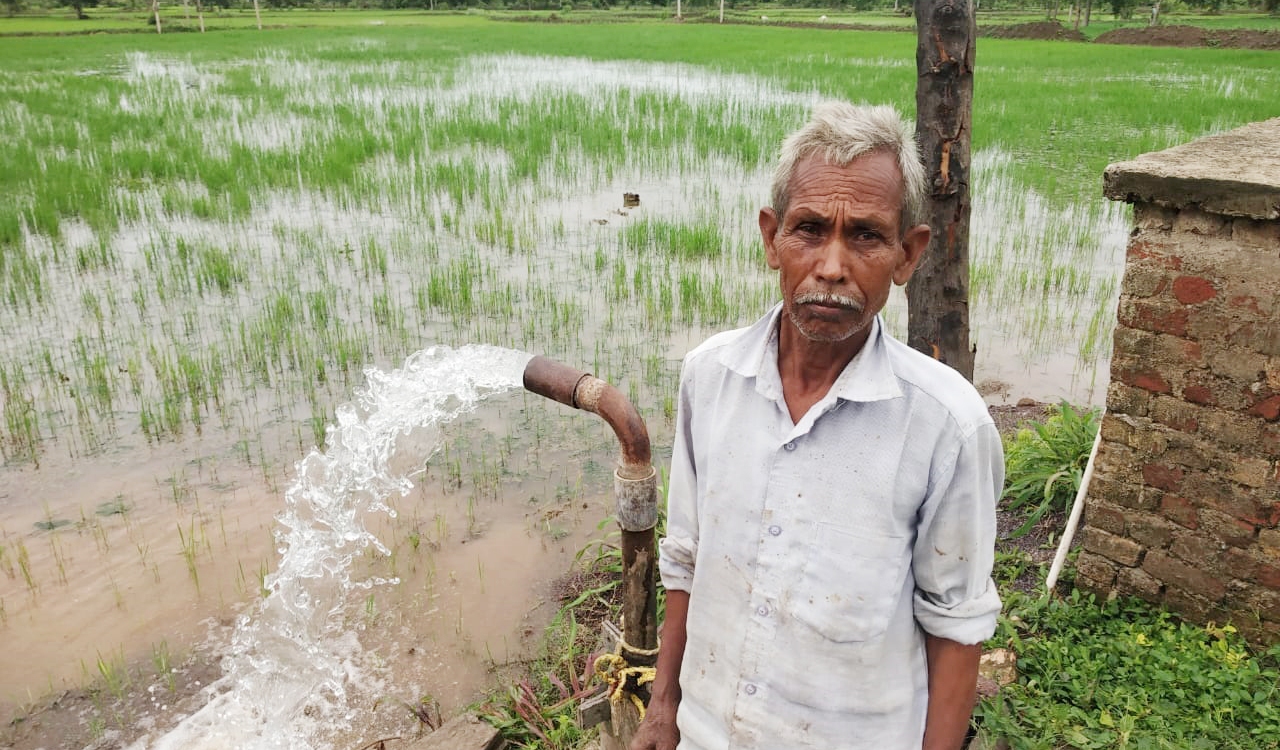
x=1052 y=8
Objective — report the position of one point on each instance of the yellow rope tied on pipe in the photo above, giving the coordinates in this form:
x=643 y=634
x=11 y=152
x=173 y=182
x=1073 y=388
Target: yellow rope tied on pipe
x=613 y=669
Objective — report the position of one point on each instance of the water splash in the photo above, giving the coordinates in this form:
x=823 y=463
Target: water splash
x=291 y=662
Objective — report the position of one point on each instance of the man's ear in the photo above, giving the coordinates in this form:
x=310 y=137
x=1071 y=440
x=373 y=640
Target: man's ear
x=914 y=243
x=769 y=231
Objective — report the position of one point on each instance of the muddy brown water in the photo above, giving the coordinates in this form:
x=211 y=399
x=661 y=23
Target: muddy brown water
x=475 y=547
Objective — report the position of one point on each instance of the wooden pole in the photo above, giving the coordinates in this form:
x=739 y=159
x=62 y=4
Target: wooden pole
x=938 y=294
x=155 y=10
x=257 y=13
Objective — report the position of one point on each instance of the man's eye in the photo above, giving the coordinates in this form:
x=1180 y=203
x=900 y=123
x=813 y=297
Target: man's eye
x=866 y=235
x=806 y=227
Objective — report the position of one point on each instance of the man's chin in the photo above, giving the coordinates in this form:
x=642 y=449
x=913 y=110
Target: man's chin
x=828 y=333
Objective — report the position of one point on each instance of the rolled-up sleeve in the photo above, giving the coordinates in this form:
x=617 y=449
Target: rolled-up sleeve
x=954 y=551
x=679 y=547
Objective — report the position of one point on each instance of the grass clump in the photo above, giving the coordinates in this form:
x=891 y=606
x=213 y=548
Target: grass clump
x=1044 y=463
x=1124 y=674
x=539 y=710
x=686 y=241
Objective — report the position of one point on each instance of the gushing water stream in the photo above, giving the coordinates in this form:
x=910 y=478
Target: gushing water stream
x=291 y=662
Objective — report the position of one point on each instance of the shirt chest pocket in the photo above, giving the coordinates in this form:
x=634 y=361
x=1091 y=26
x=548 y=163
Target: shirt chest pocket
x=850 y=583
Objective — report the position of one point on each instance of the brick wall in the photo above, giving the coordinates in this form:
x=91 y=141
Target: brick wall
x=1184 y=508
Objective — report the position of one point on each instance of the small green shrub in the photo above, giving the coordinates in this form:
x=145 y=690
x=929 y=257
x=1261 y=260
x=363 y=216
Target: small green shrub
x=1044 y=464
x=1124 y=674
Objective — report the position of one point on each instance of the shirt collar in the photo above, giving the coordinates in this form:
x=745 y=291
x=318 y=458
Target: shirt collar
x=868 y=377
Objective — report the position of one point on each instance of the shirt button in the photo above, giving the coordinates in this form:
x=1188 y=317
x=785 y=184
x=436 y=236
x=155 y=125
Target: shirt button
x=775 y=530
x=790 y=446
x=750 y=689
x=762 y=610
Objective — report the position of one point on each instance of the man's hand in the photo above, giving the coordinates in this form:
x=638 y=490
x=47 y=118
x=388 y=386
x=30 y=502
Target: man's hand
x=658 y=731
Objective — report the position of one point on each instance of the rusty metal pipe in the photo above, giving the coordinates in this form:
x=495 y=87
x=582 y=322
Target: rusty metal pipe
x=635 y=488
x=560 y=382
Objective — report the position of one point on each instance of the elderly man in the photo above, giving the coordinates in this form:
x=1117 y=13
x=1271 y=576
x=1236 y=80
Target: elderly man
x=832 y=501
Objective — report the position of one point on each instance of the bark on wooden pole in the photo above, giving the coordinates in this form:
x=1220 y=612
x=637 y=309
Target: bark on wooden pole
x=938 y=294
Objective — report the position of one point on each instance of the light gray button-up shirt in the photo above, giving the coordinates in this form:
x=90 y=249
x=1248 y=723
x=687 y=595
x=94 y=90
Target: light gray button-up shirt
x=818 y=554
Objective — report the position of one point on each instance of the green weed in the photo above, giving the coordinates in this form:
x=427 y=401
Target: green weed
x=1044 y=464
x=1123 y=674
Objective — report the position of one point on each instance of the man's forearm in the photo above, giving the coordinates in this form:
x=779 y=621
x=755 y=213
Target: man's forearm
x=666 y=683
x=953 y=681
x=658 y=730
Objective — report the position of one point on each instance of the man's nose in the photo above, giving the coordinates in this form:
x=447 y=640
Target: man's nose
x=831 y=266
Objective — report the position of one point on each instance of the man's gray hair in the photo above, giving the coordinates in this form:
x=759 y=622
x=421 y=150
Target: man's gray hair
x=839 y=132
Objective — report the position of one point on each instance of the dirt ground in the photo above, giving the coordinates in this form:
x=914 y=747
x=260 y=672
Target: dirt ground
x=1036 y=30
x=1190 y=36
x=1159 y=36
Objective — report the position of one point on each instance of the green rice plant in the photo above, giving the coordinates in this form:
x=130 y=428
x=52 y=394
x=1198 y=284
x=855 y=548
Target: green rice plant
x=24 y=565
x=687 y=241
x=114 y=673
x=58 y=557
x=190 y=550
x=162 y=660
x=6 y=564
x=1044 y=463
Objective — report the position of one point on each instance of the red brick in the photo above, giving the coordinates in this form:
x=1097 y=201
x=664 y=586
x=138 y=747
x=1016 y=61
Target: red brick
x=1243 y=506
x=1198 y=394
x=1143 y=250
x=1192 y=290
x=1096 y=569
x=1180 y=510
x=1149 y=530
x=1245 y=302
x=1104 y=516
x=1174 y=572
x=1147 y=380
x=1116 y=548
x=1136 y=582
x=1158 y=318
x=1268 y=409
x=1268 y=575
x=1163 y=476
x=1122 y=399
x=1240 y=564
x=1143 y=281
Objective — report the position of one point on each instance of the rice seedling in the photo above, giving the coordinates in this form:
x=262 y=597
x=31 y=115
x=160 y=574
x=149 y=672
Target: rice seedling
x=24 y=565
x=162 y=660
x=114 y=673
x=190 y=550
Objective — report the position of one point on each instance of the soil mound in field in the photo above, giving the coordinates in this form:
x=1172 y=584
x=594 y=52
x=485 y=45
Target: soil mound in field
x=1036 y=30
x=1191 y=36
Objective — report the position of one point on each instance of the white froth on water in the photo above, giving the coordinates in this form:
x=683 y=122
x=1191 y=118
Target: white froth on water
x=292 y=661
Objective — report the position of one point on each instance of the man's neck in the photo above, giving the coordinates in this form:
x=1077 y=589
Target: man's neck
x=809 y=368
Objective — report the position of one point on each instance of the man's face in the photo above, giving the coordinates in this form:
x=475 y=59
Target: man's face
x=839 y=245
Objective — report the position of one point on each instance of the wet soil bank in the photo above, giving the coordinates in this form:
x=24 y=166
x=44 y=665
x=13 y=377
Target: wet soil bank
x=1152 y=36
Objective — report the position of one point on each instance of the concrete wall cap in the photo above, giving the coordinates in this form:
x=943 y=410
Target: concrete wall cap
x=1236 y=173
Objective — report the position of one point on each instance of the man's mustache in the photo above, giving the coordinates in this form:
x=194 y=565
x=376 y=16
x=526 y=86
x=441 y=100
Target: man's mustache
x=827 y=298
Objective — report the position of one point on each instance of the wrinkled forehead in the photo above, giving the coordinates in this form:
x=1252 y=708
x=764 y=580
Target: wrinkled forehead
x=872 y=179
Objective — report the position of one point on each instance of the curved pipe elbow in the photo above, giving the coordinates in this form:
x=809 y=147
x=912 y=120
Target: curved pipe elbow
x=572 y=387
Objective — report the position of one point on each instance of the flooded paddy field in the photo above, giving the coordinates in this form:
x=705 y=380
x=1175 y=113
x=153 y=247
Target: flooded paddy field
x=206 y=241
